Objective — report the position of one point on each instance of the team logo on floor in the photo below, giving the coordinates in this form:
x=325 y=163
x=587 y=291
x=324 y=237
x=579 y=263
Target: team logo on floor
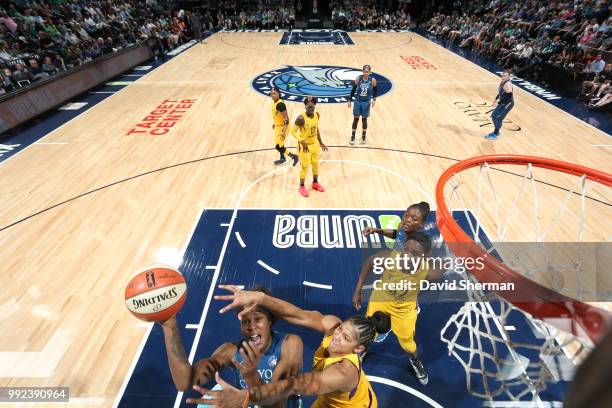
x=329 y=84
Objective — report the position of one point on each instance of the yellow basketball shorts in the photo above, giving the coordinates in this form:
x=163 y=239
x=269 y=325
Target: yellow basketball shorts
x=403 y=320
x=309 y=159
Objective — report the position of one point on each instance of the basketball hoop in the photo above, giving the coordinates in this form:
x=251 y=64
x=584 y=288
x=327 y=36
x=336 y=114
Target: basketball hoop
x=478 y=335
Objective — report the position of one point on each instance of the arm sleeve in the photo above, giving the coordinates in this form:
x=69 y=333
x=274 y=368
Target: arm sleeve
x=353 y=91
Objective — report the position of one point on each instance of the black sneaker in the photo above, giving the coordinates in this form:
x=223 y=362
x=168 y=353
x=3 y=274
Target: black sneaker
x=280 y=161
x=295 y=159
x=419 y=370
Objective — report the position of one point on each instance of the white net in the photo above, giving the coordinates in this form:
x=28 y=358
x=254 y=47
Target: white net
x=505 y=363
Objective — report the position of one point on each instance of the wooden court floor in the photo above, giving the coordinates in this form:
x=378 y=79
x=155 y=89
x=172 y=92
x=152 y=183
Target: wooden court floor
x=78 y=219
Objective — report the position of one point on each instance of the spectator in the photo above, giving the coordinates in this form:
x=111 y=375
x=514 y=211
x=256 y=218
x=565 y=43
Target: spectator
x=49 y=67
x=8 y=22
x=8 y=83
x=518 y=34
x=5 y=54
x=36 y=70
x=596 y=66
x=21 y=75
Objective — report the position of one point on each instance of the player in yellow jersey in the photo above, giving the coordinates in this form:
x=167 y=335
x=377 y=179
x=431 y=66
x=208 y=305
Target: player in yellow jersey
x=280 y=123
x=306 y=131
x=337 y=377
x=401 y=304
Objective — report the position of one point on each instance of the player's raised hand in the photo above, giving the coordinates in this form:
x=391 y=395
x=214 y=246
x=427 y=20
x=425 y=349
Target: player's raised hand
x=368 y=230
x=245 y=299
x=250 y=360
x=228 y=397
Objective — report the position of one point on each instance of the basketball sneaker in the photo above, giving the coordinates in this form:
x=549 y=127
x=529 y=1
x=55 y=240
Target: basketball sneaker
x=318 y=187
x=352 y=142
x=363 y=140
x=491 y=136
x=303 y=191
x=295 y=159
x=282 y=160
x=419 y=370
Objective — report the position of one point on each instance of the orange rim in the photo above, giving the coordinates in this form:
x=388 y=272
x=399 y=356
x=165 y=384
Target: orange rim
x=546 y=303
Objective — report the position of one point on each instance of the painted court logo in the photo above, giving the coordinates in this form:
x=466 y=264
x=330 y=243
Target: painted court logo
x=329 y=84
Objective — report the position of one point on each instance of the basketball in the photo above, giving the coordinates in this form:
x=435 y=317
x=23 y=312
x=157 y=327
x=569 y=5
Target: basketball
x=156 y=294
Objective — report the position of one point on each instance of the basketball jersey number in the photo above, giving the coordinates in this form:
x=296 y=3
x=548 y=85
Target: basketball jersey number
x=313 y=131
x=364 y=90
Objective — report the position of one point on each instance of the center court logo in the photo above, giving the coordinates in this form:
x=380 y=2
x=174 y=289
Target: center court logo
x=330 y=84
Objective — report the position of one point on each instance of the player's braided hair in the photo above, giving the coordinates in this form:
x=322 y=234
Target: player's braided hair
x=368 y=327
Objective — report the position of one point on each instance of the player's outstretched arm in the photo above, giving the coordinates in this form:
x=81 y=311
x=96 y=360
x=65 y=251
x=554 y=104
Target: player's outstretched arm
x=366 y=269
x=339 y=377
x=248 y=300
x=389 y=233
x=184 y=374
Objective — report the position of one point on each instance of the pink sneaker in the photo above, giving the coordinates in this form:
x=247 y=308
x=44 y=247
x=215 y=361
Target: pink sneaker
x=303 y=191
x=318 y=187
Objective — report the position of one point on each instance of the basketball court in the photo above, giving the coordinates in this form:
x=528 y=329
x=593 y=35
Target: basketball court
x=176 y=169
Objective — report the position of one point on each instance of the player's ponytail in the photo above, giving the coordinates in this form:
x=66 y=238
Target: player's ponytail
x=381 y=321
x=369 y=327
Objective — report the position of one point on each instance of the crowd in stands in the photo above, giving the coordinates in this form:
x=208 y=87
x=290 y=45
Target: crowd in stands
x=372 y=14
x=531 y=37
x=268 y=14
x=40 y=39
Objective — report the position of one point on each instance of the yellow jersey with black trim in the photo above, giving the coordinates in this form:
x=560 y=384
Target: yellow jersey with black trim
x=361 y=396
x=310 y=131
x=278 y=108
x=399 y=285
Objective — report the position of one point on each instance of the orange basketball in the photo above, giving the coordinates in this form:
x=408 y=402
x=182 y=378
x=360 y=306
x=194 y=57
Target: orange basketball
x=156 y=294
